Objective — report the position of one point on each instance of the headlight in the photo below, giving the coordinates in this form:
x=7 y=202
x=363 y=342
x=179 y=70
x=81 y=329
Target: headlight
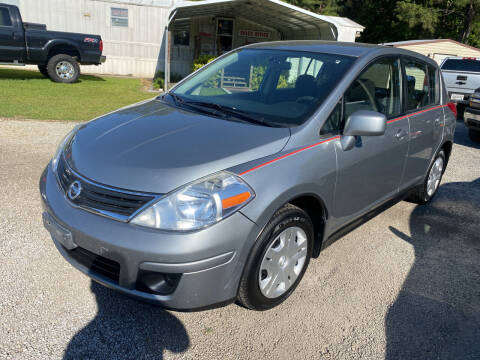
x=197 y=205
x=61 y=146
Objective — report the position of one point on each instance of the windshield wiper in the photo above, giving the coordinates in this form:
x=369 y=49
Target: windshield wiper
x=230 y=111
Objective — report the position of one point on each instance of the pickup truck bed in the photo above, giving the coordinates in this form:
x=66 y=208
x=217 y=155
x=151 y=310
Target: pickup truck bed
x=56 y=53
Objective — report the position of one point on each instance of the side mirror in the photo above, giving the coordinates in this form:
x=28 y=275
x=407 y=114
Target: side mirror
x=362 y=123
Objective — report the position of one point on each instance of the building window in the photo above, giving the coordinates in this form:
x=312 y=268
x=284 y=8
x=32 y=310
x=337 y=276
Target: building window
x=181 y=37
x=119 y=17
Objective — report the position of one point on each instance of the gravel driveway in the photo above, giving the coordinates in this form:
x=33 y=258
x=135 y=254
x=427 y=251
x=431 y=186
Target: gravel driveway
x=405 y=285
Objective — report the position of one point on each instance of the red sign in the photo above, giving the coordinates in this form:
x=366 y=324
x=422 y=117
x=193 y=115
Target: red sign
x=255 y=33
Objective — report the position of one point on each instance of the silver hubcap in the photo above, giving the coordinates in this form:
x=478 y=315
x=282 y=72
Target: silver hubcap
x=283 y=262
x=65 y=70
x=434 y=176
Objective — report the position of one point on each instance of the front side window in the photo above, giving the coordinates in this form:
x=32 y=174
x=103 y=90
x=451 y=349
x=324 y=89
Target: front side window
x=377 y=89
x=120 y=17
x=417 y=84
x=279 y=86
x=5 y=19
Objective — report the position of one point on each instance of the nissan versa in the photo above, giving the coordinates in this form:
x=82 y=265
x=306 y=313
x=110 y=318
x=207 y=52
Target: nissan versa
x=225 y=187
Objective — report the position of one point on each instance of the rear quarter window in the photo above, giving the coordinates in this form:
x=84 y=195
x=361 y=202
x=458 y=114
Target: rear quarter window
x=469 y=65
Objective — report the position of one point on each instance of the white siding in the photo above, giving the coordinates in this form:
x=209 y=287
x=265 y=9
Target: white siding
x=441 y=49
x=137 y=50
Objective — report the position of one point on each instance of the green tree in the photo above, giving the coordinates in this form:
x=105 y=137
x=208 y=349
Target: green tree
x=324 y=7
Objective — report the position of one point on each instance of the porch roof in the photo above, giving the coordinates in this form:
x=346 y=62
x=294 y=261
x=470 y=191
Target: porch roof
x=292 y=22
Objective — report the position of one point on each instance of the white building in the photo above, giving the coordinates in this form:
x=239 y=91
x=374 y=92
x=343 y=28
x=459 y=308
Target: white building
x=136 y=32
x=437 y=49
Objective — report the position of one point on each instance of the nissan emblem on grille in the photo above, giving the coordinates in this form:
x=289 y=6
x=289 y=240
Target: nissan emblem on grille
x=74 y=190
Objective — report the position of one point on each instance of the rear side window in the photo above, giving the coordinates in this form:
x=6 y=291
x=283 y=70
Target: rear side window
x=5 y=19
x=378 y=89
x=417 y=84
x=470 y=65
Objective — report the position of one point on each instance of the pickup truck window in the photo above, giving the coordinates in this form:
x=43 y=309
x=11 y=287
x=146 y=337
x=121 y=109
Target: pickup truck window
x=470 y=65
x=5 y=19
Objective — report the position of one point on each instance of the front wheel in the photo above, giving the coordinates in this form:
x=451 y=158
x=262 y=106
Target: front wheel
x=63 y=68
x=424 y=193
x=278 y=260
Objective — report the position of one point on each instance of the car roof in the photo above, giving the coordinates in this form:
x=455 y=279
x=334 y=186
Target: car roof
x=320 y=46
x=339 y=48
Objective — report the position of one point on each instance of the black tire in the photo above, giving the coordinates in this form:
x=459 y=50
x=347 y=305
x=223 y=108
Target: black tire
x=249 y=294
x=474 y=135
x=68 y=61
x=420 y=194
x=43 y=70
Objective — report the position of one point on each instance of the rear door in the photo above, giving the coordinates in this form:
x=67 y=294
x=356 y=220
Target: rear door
x=425 y=115
x=371 y=172
x=11 y=40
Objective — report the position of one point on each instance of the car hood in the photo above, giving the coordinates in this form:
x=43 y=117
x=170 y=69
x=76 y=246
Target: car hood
x=155 y=147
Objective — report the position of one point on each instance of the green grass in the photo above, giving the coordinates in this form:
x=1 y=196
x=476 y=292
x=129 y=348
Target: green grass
x=27 y=94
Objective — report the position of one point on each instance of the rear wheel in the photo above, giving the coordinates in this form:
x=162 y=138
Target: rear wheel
x=43 y=70
x=63 y=68
x=474 y=134
x=278 y=260
x=424 y=193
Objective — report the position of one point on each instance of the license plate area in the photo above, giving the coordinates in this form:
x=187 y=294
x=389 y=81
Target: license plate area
x=58 y=232
x=456 y=96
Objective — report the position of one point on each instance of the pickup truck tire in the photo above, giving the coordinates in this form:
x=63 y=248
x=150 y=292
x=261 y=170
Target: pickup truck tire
x=63 y=68
x=423 y=194
x=43 y=70
x=474 y=134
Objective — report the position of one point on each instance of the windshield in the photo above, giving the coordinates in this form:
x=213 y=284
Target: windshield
x=470 y=65
x=275 y=87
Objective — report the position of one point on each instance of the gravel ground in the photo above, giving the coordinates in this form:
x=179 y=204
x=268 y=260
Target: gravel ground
x=405 y=285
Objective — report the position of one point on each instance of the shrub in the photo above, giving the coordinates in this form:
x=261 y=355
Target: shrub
x=202 y=60
x=159 y=80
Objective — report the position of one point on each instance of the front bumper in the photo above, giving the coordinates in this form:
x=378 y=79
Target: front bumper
x=471 y=117
x=206 y=264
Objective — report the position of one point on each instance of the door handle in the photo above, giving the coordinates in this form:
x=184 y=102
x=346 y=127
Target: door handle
x=437 y=121
x=401 y=134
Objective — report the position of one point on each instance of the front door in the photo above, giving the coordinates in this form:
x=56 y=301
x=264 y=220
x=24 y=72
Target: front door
x=426 y=118
x=371 y=172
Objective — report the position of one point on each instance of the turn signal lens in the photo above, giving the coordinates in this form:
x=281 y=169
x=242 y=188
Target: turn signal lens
x=235 y=200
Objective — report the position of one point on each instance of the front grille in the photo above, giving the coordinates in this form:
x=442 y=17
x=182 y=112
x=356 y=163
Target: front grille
x=97 y=264
x=117 y=204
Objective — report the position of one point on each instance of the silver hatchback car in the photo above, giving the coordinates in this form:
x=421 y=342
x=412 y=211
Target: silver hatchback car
x=224 y=188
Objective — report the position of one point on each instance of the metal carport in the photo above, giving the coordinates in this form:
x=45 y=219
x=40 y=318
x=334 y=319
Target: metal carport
x=291 y=22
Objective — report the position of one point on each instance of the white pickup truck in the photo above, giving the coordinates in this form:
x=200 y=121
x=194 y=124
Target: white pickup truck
x=462 y=77
x=471 y=116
